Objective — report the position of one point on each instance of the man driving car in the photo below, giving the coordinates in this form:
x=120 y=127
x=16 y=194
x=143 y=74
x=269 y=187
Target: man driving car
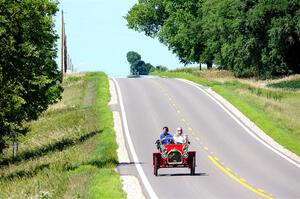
x=166 y=137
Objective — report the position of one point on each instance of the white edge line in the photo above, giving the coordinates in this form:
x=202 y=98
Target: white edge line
x=240 y=123
x=139 y=168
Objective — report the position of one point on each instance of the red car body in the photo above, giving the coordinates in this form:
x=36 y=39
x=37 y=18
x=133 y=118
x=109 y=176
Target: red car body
x=174 y=156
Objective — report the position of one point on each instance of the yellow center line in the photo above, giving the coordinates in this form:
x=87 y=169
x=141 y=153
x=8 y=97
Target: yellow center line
x=237 y=179
x=215 y=160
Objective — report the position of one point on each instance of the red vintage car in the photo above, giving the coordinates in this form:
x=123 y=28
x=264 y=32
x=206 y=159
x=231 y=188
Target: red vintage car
x=174 y=156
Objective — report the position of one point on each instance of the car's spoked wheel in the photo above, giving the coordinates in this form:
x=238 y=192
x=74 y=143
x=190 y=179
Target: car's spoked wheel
x=155 y=166
x=193 y=166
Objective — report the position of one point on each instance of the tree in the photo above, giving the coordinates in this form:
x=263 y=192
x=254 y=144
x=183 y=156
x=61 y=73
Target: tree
x=29 y=79
x=175 y=23
x=138 y=66
x=147 y=16
x=147 y=68
x=261 y=39
x=160 y=68
x=133 y=57
x=249 y=37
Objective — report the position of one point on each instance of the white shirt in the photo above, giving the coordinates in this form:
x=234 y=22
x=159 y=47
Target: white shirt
x=180 y=139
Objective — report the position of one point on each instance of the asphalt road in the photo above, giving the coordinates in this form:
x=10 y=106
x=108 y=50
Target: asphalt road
x=230 y=162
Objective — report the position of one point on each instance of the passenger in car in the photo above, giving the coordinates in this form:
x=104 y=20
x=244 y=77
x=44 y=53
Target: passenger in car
x=179 y=137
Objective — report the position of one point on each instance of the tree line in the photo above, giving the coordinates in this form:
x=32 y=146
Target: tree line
x=139 y=67
x=29 y=79
x=258 y=38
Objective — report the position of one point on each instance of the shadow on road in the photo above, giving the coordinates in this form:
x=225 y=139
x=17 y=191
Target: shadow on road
x=183 y=174
x=128 y=163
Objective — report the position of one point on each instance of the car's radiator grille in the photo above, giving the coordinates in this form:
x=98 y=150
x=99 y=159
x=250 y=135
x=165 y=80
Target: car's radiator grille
x=174 y=157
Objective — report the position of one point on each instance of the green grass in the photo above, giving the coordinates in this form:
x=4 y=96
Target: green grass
x=276 y=112
x=187 y=76
x=290 y=84
x=70 y=152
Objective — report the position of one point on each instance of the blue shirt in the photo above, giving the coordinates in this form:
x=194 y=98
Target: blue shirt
x=167 y=138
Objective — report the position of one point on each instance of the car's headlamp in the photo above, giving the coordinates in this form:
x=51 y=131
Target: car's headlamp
x=185 y=155
x=164 y=155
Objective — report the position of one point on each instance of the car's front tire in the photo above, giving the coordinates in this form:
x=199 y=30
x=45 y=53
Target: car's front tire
x=155 y=166
x=193 y=166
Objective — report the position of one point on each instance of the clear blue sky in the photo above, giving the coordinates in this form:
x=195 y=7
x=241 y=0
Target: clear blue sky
x=98 y=38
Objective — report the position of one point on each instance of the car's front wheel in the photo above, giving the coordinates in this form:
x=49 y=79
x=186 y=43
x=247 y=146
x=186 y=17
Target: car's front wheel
x=193 y=166
x=155 y=166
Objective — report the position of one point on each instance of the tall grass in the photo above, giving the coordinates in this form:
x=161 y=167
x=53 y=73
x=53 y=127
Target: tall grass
x=289 y=84
x=69 y=150
x=185 y=70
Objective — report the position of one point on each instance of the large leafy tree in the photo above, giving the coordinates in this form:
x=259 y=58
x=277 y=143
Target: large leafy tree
x=177 y=24
x=182 y=31
x=250 y=37
x=29 y=79
x=254 y=38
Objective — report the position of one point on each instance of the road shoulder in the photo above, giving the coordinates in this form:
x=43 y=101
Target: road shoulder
x=130 y=183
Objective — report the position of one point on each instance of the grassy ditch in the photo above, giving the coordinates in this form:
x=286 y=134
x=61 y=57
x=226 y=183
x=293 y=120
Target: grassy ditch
x=70 y=151
x=275 y=111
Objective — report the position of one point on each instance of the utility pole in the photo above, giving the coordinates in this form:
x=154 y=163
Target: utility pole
x=65 y=58
x=65 y=52
x=62 y=38
x=71 y=65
